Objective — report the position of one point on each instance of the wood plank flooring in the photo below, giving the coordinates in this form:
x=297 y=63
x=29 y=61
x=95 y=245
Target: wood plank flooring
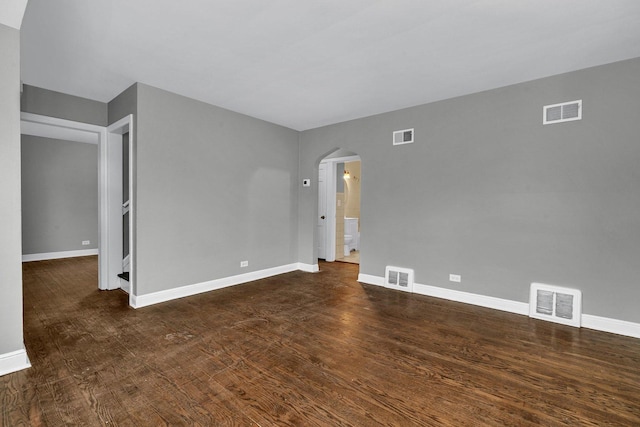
x=305 y=349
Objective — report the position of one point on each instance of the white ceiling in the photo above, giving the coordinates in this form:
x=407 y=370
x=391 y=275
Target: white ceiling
x=11 y=12
x=305 y=64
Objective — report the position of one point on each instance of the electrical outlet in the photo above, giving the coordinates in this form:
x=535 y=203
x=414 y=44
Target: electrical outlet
x=455 y=278
x=86 y=242
x=244 y=263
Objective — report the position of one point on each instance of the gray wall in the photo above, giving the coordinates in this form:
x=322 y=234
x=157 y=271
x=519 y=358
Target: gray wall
x=489 y=193
x=124 y=104
x=213 y=188
x=59 y=195
x=10 y=250
x=60 y=105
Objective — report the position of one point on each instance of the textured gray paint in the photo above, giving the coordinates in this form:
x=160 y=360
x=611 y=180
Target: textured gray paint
x=489 y=193
x=59 y=195
x=213 y=188
x=10 y=253
x=55 y=104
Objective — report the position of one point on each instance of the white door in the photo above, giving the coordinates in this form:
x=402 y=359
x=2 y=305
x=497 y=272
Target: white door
x=322 y=211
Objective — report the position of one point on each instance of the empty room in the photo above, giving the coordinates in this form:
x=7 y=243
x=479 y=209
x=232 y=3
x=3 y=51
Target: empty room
x=320 y=213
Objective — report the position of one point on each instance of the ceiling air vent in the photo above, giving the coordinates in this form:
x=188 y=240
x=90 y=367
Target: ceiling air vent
x=565 y=112
x=403 y=137
x=555 y=304
x=398 y=278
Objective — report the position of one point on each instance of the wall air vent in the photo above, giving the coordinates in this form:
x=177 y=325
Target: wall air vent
x=398 y=278
x=555 y=304
x=565 y=112
x=403 y=137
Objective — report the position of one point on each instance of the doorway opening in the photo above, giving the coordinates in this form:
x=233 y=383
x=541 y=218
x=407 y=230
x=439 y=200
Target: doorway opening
x=112 y=230
x=339 y=179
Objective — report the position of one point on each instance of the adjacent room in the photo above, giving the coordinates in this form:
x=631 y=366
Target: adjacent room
x=320 y=213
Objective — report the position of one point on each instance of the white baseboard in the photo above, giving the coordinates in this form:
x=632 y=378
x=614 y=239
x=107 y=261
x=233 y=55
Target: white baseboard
x=309 y=268
x=58 y=255
x=615 y=326
x=371 y=280
x=474 y=299
x=139 y=301
x=14 y=361
x=620 y=327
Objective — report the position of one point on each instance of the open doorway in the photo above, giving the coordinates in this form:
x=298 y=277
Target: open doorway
x=351 y=177
x=111 y=209
x=339 y=207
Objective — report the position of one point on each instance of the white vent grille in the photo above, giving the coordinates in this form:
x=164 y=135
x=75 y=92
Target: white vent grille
x=398 y=278
x=403 y=137
x=555 y=304
x=564 y=112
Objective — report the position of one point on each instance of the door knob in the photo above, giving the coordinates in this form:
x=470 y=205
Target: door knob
x=322 y=217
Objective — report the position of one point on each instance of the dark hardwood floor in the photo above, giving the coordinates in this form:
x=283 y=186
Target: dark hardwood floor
x=305 y=349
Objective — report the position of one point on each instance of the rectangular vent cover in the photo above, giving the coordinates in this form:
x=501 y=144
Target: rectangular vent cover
x=403 y=137
x=564 y=112
x=398 y=278
x=555 y=304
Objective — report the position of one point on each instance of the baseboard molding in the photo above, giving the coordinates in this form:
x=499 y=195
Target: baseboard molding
x=603 y=324
x=473 y=299
x=371 y=280
x=309 y=268
x=615 y=326
x=58 y=255
x=139 y=301
x=14 y=361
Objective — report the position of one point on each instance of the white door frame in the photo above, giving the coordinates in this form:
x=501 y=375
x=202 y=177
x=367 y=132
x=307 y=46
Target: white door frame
x=330 y=227
x=51 y=127
x=321 y=217
x=112 y=152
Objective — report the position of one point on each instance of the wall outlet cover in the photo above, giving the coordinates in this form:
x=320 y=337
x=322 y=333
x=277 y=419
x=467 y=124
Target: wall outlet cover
x=86 y=242
x=455 y=278
x=306 y=182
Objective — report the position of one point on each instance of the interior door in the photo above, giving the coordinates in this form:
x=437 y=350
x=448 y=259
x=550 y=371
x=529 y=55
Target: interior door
x=322 y=211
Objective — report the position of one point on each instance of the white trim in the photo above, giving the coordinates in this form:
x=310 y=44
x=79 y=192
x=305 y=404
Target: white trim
x=52 y=127
x=58 y=255
x=14 y=361
x=603 y=324
x=474 y=299
x=330 y=225
x=115 y=209
x=138 y=301
x=309 y=268
x=330 y=185
x=76 y=131
x=345 y=159
x=615 y=326
x=371 y=280
x=458 y=296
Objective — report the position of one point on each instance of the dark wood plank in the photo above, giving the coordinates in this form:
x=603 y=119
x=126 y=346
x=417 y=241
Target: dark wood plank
x=304 y=349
